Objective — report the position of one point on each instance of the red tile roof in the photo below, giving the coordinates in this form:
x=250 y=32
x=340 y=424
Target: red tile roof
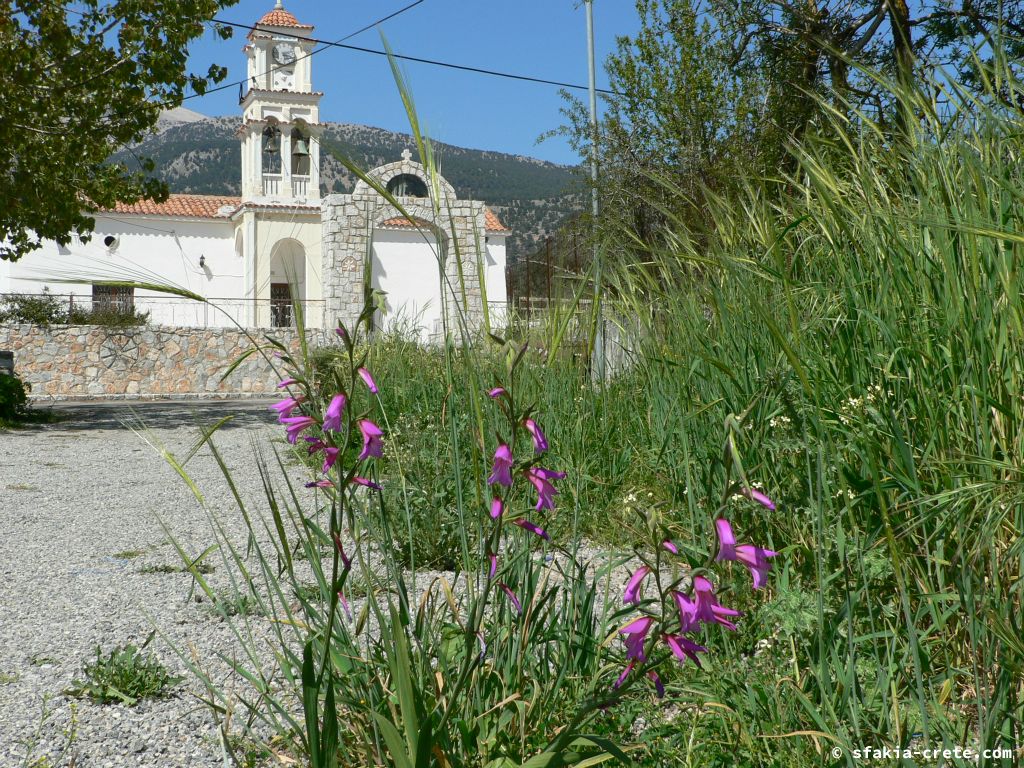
x=190 y=206
x=279 y=17
x=492 y=222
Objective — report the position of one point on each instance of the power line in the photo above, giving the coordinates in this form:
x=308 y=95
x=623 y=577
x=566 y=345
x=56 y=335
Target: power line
x=315 y=51
x=431 y=62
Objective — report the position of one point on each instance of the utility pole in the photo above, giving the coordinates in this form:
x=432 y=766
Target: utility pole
x=597 y=335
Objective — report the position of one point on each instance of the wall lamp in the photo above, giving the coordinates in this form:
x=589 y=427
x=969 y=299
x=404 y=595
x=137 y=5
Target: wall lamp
x=202 y=261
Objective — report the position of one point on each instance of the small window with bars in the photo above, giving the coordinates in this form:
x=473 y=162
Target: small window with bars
x=280 y=305
x=113 y=298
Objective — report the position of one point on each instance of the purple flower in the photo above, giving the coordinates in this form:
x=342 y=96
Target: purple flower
x=709 y=611
x=526 y=525
x=330 y=457
x=670 y=546
x=286 y=406
x=344 y=604
x=541 y=479
x=687 y=612
x=497 y=508
x=315 y=444
x=294 y=425
x=345 y=559
x=287 y=383
x=540 y=443
x=325 y=483
x=635 y=635
x=332 y=419
x=755 y=558
x=368 y=380
x=658 y=685
x=496 y=392
x=726 y=540
x=760 y=498
x=511 y=596
x=683 y=648
x=367 y=483
x=494 y=565
x=372 y=444
x=502 y=472
x=625 y=674
x=342 y=333
x=632 y=594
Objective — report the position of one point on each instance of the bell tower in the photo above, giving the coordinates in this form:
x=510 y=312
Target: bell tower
x=280 y=114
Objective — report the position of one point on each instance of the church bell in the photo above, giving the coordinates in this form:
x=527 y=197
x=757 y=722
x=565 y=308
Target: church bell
x=301 y=148
x=270 y=144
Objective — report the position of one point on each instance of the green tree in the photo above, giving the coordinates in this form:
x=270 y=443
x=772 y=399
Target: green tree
x=80 y=82
x=680 y=117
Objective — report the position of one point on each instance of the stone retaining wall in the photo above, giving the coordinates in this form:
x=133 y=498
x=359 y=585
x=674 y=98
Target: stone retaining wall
x=68 y=361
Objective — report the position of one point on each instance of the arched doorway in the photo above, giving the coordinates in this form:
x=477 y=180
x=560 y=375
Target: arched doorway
x=287 y=282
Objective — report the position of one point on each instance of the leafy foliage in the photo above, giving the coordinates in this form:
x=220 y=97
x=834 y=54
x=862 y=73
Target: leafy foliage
x=124 y=675
x=13 y=397
x=78 y=85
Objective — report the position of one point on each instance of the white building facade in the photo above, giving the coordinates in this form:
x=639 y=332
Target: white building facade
x=279 y=244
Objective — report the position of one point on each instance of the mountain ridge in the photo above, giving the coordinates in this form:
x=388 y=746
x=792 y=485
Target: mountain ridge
x=200 y=155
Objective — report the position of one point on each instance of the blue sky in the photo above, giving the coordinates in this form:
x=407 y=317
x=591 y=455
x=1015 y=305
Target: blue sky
x=540 y=38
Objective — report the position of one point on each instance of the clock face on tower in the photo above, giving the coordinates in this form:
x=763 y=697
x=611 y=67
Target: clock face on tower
x=284 y=73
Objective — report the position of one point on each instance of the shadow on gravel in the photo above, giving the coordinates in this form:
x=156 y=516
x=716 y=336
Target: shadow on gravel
x=161 y=414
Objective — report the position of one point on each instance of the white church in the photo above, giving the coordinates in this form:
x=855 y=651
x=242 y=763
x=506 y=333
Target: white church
x=254 y=256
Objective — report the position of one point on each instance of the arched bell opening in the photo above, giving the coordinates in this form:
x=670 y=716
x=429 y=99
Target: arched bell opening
x=271 y=148
x=407 y=185
x=300 y=152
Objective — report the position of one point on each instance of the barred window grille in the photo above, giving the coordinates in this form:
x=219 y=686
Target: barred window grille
x=115 y=298
x=280 y=305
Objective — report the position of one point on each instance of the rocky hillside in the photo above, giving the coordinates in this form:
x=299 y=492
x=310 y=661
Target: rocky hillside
x=201 y=155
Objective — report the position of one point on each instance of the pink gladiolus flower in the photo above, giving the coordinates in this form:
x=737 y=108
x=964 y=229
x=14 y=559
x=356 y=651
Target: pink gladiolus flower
x=632 y=594
x=540 y=443
x=330 y=457
x=497 y=508
x=368 y=380
x=502 y=471
x=635 y=635
x=344 y=604
x=526 y=525
x=372 y=444
x=342 y=333
x=365 y=482
x=683 y=648
x=286 y=406
x=541 y=479
x=315 y=444
x=496 y=392
x=670 y=546
x=726 y=540
x=658 y=685
x=709 y=611
x=345 y=559
x=625 y=674
x=287 y=383
x=760 y=498
x=687 y=612
x=511 y=596
x=755 y=558
x=332 y=419
x=494 y=566
x=320 y=484
x=294 y=425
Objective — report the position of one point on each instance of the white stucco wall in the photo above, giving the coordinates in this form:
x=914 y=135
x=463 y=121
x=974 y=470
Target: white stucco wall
x=405 y=268
x=305 y=231
x=494 y=280
x=149 y=249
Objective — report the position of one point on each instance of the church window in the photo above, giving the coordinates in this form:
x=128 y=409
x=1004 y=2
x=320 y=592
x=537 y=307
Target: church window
x=271 y=149
x=300 y=153
x=280 y=305
x=407 y=185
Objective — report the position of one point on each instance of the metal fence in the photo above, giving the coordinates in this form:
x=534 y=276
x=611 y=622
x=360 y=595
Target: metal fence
x=159 y=309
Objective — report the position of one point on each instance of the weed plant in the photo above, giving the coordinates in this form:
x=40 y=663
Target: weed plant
x=124 y=675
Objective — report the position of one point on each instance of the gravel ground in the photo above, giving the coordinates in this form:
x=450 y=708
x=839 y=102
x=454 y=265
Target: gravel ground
x=79 y=502
x=78 y=522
